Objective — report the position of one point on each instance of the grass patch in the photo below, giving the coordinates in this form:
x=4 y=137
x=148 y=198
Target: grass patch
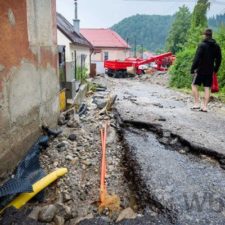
x=220 y=96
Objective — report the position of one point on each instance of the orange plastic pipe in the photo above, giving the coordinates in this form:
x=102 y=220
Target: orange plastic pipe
x=103 y=164
x=105 y=135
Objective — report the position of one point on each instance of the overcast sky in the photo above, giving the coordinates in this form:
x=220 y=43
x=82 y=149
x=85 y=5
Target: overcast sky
x=105 y=13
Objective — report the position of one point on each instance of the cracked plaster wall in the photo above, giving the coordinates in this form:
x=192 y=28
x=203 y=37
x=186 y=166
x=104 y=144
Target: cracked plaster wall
x=29 y=82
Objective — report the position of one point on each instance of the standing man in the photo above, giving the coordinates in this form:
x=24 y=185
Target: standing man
x=206 y=62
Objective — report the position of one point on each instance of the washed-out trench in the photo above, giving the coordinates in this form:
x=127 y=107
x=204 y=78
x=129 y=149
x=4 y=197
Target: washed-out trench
x=172 y=177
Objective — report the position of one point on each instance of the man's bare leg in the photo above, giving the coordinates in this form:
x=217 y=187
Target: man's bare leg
x=206 y=98
x=196 y=96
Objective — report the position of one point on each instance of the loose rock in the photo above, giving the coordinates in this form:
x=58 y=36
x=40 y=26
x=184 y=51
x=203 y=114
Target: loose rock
x=61 y=120
x=64 y=211
x=47 y=213
x=127 y=213
x=61 y=145
x=58 y=220
x=72 y=137
x=34 y=213
x=79 y=219
x=69 y=157
x=66 y=197
x=71 y=124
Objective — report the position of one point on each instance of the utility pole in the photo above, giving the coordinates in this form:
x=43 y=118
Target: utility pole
x=142 y=51
x=135 y=47
x=130 y=52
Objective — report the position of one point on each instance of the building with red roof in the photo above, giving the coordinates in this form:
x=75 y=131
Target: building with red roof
x=107 y=44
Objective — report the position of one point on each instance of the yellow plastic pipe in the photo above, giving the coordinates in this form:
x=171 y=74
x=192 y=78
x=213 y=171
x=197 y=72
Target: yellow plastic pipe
x=23 y=198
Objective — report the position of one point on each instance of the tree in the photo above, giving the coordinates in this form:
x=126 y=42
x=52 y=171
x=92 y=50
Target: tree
x=198 y=23
x=180 y=72
x=199 y=18
x=216 y=21
x=149 y=30
x=179 y=30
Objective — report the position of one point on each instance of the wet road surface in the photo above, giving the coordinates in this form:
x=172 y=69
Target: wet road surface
x=144 y=220
x=185 y=186
x=146 y=103
x=189 y=189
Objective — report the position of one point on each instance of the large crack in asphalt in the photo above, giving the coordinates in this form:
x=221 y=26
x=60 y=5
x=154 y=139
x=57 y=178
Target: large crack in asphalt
x=132 y=173
x=173 y=177
x=174 y=141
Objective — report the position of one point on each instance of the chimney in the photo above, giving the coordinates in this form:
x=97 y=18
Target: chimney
x=76 y=21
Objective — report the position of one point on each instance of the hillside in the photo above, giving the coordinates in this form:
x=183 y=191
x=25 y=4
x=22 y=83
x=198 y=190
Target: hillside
x=151 y=30
x=215 y=21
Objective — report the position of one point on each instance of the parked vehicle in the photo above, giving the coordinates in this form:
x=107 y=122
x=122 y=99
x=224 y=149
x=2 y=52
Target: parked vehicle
x=131 y=66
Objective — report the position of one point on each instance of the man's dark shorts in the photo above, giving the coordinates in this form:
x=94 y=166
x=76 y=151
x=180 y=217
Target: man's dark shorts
x=204 y=80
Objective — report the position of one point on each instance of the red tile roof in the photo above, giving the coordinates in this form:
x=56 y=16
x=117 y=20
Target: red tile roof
x=104 y=38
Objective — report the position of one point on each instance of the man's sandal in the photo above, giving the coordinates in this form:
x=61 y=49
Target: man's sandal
x=203 y=110
x=195 y=107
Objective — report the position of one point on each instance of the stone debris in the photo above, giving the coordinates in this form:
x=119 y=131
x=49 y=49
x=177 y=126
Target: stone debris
x=64 y=211
x=100 y=102
x=59 y=220
x=109 y=103
x=78 y=148
x=13 y=216
x=61 y=120
x=66 y=197
x=47 y=213
x=127 y=213
x=61 y=145
x=72 y=137
x=79 y=219
x=34 y=213
x=74 y=198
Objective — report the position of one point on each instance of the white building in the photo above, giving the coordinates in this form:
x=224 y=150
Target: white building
x=74 y=53
x=108 y=45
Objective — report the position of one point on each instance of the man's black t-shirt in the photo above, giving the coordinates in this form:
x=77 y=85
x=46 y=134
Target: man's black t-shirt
x=207 y=59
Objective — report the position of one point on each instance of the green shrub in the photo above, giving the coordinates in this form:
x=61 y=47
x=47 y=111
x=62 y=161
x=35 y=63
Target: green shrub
x=220 y=37
x=180 y=71
x=81 y=73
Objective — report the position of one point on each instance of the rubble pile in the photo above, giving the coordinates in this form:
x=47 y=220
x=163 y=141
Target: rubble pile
x=75 y=196
x=156 y=77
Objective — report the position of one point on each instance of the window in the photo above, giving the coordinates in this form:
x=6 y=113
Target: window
x=72 y=56
x=62 y=65
x=83 y=59
x=106 y=55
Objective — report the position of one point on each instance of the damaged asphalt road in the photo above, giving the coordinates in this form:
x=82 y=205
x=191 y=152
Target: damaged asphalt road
x=188 y=189
x=176 y=155
x=165 y=162
x=170 y=110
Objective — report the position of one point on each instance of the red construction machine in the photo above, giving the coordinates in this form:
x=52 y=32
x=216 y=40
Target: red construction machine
x=122 y=69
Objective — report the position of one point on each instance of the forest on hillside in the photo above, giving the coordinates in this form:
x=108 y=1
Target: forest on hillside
x=151 y=31
x=215 y=21
x=148 y=30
